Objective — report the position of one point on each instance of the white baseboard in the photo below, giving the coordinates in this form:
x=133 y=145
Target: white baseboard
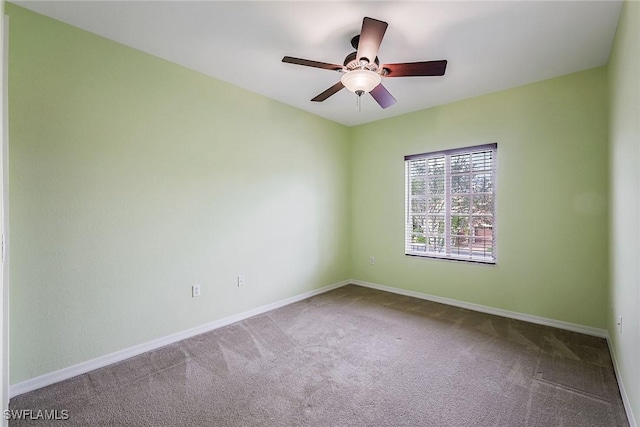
x=588 y=330
x=623 y=391
x=118 y=356
x=102 y=361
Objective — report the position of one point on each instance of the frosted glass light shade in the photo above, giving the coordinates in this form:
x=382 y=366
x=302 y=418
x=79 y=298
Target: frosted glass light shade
x=360 y=80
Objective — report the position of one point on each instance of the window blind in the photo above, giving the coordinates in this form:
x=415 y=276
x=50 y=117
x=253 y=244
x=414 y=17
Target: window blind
x=450 y=204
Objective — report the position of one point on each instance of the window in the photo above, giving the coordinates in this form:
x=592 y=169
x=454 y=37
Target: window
x=450 y=204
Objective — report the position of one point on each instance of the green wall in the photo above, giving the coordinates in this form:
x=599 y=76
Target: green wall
x=132 y=178
x=551 y=199
x=624 y=80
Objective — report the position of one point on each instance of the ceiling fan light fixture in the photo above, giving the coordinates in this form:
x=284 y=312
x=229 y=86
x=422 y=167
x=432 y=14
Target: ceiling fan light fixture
x=363 y=81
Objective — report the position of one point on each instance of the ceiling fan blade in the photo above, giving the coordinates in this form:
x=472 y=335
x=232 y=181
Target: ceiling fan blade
x=382 y=96
x=309 y=63
x=327 y=93
x=370 y=38
x=407 y=69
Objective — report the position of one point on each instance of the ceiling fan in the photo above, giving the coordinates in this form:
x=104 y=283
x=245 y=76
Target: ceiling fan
x=362 y=72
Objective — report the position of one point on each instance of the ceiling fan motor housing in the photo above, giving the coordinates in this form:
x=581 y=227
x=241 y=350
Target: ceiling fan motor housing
x=351 y=63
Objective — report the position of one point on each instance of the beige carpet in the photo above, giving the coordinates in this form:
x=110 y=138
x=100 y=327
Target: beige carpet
x=353 y=357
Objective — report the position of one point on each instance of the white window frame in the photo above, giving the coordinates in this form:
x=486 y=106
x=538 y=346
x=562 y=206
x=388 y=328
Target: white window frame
x=486 y=253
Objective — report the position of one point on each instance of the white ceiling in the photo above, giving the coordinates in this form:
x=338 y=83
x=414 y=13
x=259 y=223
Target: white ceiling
x=490 y=45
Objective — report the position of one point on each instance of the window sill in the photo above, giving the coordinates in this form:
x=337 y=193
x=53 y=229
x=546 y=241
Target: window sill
x=447 y=258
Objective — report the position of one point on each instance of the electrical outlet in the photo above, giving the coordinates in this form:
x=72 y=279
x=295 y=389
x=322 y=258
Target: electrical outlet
x=620 y=324
x=195 y=291
x=241 y=280
x=372 y=260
